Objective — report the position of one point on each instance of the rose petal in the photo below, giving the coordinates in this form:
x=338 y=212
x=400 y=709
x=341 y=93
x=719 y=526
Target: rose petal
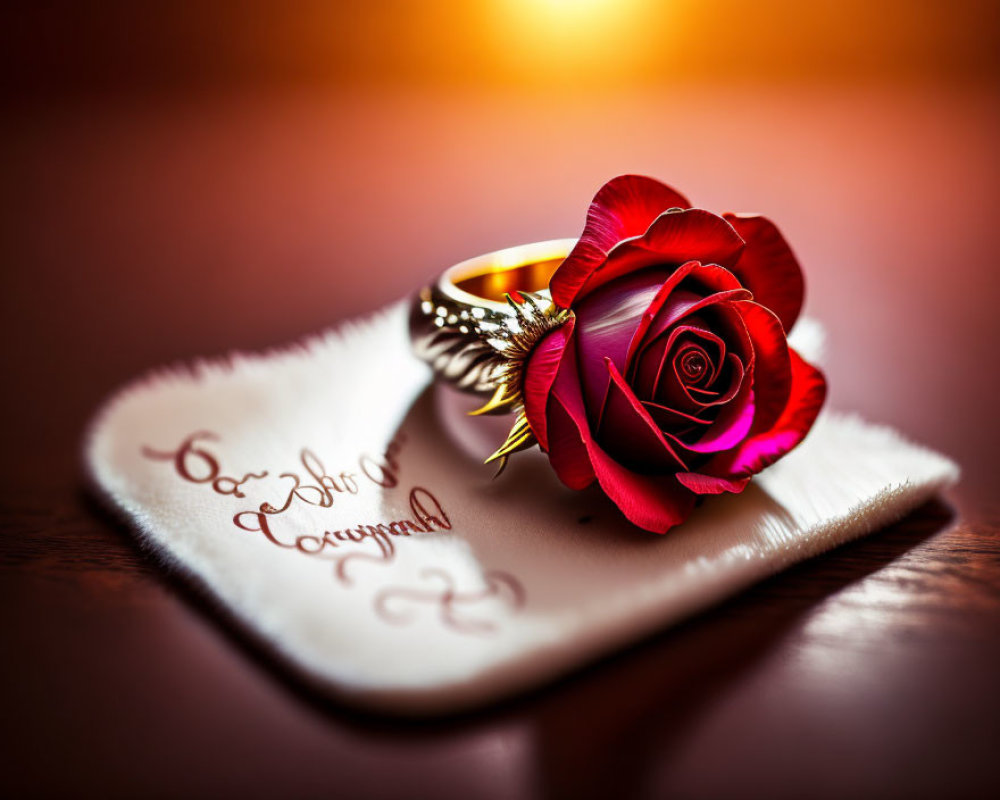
x=725 y=320
x=695 y=365
x=539 y=375
x=646 y=370
x=768 y=267
x=666 y=418
x=567 y=452
x=709 y=484
x=675 y=394
x=653 y=502
x=673 y=302
x=605 y=324
x=772 y=368
x=706 y=337
x=674 y=238
x=655 y=305
x=624 y=207
x=628 y=432
x=731 y=426
x=684 y=303
x=649 y=369
x=808 y=391
x=710 y=238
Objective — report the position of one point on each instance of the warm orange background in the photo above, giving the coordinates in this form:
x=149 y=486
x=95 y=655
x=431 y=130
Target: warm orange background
x=575 y=44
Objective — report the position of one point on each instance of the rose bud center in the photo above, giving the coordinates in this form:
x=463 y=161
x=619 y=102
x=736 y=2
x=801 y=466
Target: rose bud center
x=693 y=364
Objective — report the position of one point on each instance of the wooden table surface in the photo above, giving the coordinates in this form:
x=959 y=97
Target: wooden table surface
x=139 y=231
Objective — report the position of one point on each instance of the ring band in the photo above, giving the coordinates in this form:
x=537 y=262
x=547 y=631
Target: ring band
x=453 y=321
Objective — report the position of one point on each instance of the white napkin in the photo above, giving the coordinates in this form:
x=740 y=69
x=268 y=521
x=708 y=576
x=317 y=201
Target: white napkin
x=472 y=588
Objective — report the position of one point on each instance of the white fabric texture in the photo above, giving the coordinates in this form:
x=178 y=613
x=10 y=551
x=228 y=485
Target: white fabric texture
x=335 y=504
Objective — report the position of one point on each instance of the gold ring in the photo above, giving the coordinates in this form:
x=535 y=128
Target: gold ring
x=477 y=324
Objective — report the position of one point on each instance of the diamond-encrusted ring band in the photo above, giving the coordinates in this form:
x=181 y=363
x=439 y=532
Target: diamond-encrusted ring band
x=476 y=325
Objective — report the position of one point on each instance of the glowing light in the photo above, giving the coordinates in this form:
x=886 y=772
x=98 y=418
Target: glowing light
x=573 y=39
x=566 y=8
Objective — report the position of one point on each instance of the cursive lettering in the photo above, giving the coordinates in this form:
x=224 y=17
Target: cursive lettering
x=426 y=516
x=449 y=600
x=195 y=462
x=189 y=454
x=384 y=471
x=322 y=493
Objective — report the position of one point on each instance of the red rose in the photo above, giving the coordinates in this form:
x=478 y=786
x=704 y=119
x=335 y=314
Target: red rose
x=673 y=378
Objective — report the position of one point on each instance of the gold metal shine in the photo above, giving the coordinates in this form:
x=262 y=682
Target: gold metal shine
x=480 y=322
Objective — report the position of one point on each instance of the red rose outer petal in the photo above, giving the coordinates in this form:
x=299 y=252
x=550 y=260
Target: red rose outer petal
x=540 y=375
x=567 y=452
x=675 y=237
x=707 y=484
x=768 y=267
x=624 y=207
